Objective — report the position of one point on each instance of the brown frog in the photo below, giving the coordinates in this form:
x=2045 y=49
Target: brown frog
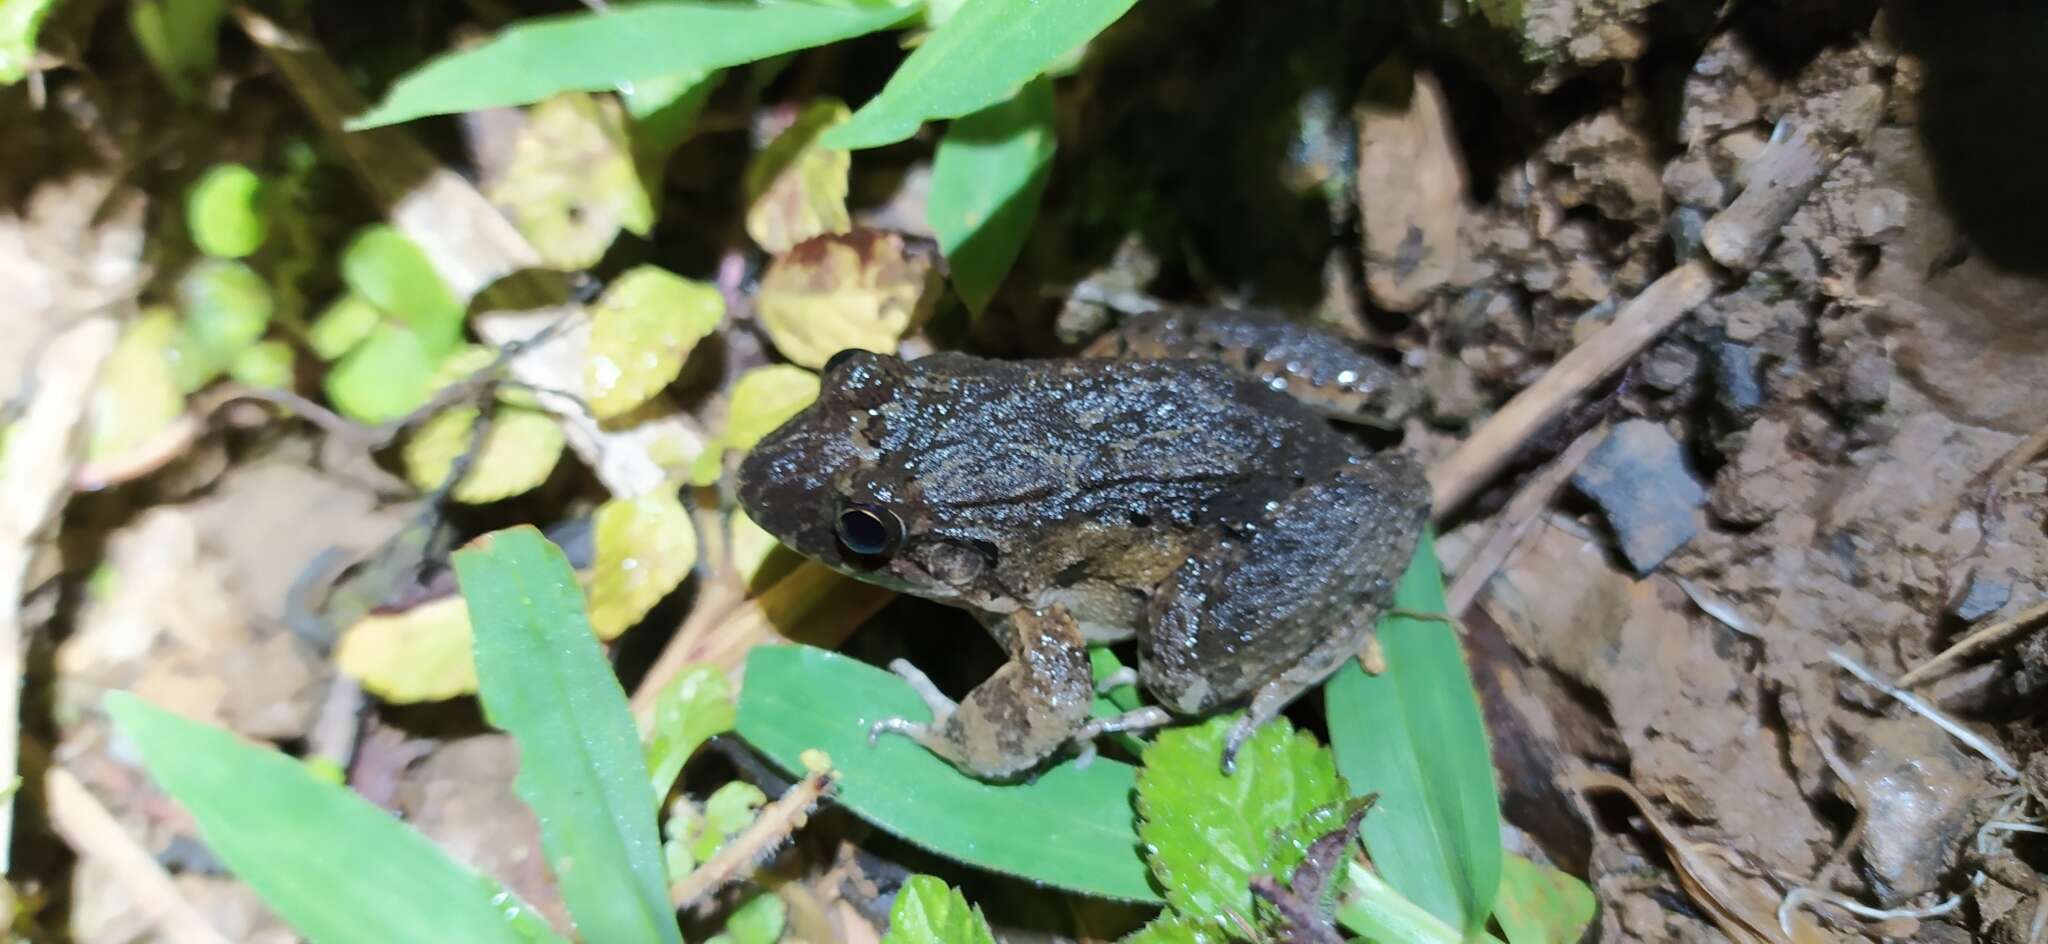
x=1196 y=498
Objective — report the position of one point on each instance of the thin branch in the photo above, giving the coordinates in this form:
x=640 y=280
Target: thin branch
x=1971 y=739
x=778 y=821
x=94 y=834
x=1517 y=520
x=1979 y=640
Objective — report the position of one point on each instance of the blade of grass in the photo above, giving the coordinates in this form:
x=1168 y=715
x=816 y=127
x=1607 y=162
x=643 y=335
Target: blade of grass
x=543 y=678
x=594 y=52
x=1069 y=828
x=337 y=868
x=1413 y=735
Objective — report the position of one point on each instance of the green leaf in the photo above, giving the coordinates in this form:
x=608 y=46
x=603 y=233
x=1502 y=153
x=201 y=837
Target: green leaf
x=765 y=398
x=384 y=378
x=1413 y=735
x=341 y=326
x=987 y=178
x=641 y=331
x=391 y=272
x=759 y=921
x=982 y=55
x=928 y=911
x=518 y=453
x=1068 y=828
x=266 y=365
x=302 y=844
x=137 y=395
x=1373 y=908
x=572 y=184
x=1541 y=905
x=594 y=52
x=20 y=21
x=1175 y=929
x=664 y=112
x=645 y=547
x=227 y=307
x=224 y=212
x=693 y=708
x=543 y=677
x=727 y=812
x=181 y=38
x=1209 y=832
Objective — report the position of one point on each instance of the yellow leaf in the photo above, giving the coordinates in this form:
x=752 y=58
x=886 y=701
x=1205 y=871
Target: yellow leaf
x=137 y=396
x=645 y=547
x=764 y=398
x=796 y=189
x=641 y=331
x=422 y=654
x=864 y=289
x=518 y=452
x=571 y=184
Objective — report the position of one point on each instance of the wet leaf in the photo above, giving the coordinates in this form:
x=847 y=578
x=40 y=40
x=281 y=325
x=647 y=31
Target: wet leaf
x=1207 y=832
x=301 y=843
x=571 y=184
x=385 y=378
x=646 y=546
x=1174 y=929
x=342 y=325
x=759 y=921
x=391 y=272
x=20 y=20
x=987 y=178
x=594 y=52
x=224 y=212
x=137 y=395
x=927 y=911
x=983 y=54
x=266 y=365
x=416 y=655
x=1413 y=735
x=518 y=453
x=864 y=289
x=795 y=188
x=545 y=680
x=642 y=330
x=1541 y=905
x=765 y=398
x=693 y=708
x=227 y=307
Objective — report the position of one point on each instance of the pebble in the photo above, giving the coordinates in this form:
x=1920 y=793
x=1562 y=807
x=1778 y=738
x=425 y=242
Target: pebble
x=1639 y=478
x=1981 y=595
x=1736 y=389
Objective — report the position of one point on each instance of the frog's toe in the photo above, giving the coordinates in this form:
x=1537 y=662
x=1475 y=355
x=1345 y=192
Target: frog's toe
x=921 y=683
x=1240 y=732
x=915 y=730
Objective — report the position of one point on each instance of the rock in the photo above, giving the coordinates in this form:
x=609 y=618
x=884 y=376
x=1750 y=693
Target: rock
x=1612 y=167
x=1736 y=388
x=1411 y=186
x=1916 y=790
x=1669 y=365
x=1687 y=228
x=1765 y=478
x=1980 y=595
x=1693 y=183
x=1639 y=477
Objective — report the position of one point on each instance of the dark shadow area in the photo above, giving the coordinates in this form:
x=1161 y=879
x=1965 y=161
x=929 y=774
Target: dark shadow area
x=1984 y=120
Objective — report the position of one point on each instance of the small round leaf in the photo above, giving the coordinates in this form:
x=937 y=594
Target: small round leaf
x=641 y=332
x=517 y=454
x=392 y=273
x=224 y=212
x=384 y=378
x=864 y=289
x=645 y=547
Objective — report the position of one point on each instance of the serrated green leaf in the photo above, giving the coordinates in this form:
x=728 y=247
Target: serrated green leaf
x=692 y=708
x=544 y=679
x=765 y=398
x=1541 y=905
x=224 y=212
x=383 y=379
x=20 y=21
x=645 y=547
x=227 y=307
x=983 y=54
x=266 y=365
x=1175 y=929
x=727 y=812
x=796 y=189
x=137 y=395
x=1208 y=833
x=595 y=52
x=302 y=844
x=759 y=921
x=518 y=453
x=1413 y=735
x=987 y=178
x=342 y=325
x=391 y=272
x=1069 y=828
x=641 y=331
x=571 y=184
x=928 y=911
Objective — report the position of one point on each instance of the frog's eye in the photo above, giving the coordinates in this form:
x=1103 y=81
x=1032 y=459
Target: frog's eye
x=869 y=530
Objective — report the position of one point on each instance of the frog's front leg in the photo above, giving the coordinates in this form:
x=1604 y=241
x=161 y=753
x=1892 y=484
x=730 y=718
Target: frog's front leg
x=1030 y=708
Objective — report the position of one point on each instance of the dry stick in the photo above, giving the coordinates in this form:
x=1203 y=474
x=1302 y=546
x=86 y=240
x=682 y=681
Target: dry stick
x=1780 y=178
x=1981 y=640
x=1517 y=520
x=1640 y=322
x=35 y=479
x=777 y=822
x=85 y=824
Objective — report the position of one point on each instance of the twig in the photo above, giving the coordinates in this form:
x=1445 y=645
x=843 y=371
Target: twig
x=1721 y=610
x=1799 y=897
x=1970 y=739
x=94 y=834
x=778 y=821
x=35 y=479
x=1979 y=640
x=1788 y=169
x=1639 y=323
x=1516 y=520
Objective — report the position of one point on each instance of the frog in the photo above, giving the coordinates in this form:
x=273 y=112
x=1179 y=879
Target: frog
x=1186 y=481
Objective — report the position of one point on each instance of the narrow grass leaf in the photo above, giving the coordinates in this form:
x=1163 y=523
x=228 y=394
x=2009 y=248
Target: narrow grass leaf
x=1413 y=735
x=1069 y=828
x=594 y=52
x=983 y=54
x=987 y=178
x=335 y=867
x=543 y=678
x=1541 y=905
x=692 y=709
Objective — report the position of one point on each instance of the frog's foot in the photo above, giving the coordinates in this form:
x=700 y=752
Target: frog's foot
x=1140 y=719
x=1115 y=680
x=921 y=683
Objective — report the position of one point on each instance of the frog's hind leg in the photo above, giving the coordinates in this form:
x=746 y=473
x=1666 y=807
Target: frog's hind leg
x=1028 y=710
x=1261 y=619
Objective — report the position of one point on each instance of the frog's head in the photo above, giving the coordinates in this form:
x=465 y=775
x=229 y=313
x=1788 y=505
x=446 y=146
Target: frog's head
x=826 y=485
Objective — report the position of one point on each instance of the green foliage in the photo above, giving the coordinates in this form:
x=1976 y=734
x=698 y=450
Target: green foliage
x=1413 y=734
x=20 y=21
x=641 y=331
x=1541 y=905
x=391 y=272
x=985 y=52
x=181 y=38
x=727 y=813
x=265 y=365
x=1174 y=929
x=987 y=178
x=759 y=921
x=693 y=708
x=385 y=377
x=1069 y=828
x=928 y=911
x=224 y=212
x=591 y=52
x=543 y=677
x=343 y=324
x=226 y=307
x=302 y=843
